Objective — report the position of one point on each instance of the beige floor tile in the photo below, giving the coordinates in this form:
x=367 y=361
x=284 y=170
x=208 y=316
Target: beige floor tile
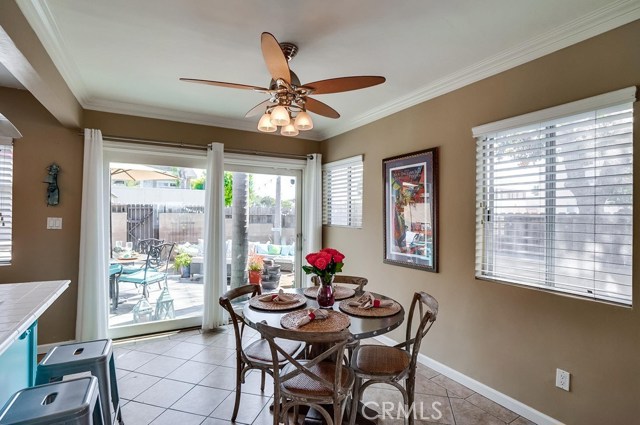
x=201 y=400
x=173 y=417
x=192 y=372
x=221 y=377
x=466 y=413
x=139 y=413
x=452 y=386
x=164 y=393
x=184 y=350
x=250 y=407
x=216 y=421
x=425 y=386
x=426 y=371
x=213 y=355
x=132 y=360
x=252 y=384
x=159 y=346
x=134 y=384
x=161 y=366
x=492 y=407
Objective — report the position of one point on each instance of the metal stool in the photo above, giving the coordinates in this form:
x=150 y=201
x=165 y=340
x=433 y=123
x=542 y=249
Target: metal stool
x=73 y=402
x=92 y=356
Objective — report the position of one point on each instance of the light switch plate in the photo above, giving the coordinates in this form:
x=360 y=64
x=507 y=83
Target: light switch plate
x=54 y=223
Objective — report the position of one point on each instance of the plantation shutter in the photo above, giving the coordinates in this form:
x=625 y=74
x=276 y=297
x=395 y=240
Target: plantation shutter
x=6 y=184
x=554 y=198
x=342 y=186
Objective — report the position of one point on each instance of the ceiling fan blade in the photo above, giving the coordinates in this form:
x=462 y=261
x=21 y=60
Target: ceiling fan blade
x=320 y=108
x=337 y=85
x=260 y=108
x=274 y=58
x=228 y=85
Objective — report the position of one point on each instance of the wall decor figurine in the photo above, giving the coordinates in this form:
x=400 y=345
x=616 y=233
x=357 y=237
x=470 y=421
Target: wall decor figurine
x=53 y=192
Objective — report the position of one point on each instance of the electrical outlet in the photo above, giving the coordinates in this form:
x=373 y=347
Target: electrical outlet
x=563 y=379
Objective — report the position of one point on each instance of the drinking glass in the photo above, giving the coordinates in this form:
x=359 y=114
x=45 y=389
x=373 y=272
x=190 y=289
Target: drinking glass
x=129 y=246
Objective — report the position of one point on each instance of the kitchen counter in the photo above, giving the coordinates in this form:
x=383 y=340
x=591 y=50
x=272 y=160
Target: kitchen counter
x=21 y=304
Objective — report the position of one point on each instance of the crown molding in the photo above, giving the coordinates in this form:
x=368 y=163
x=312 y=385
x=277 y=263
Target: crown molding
x=614 y=15
x=41 y=19
x=166 y=114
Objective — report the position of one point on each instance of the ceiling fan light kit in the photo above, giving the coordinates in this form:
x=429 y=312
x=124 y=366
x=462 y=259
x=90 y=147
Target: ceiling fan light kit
x=289 y=102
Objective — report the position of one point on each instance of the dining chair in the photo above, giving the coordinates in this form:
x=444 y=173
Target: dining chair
x=360 y=282
x=257 y=354
x=389 y=365
x=315 y=382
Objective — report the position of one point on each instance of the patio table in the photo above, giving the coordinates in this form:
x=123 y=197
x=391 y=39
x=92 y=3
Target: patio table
x=360 y=327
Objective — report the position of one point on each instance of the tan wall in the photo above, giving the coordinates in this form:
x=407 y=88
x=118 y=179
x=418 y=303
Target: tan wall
x=507 y=337
x=38 y=253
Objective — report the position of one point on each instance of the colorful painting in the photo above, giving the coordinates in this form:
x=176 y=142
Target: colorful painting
x=411 y=210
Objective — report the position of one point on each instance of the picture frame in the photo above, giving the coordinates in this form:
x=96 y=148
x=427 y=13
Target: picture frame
x=411 y=210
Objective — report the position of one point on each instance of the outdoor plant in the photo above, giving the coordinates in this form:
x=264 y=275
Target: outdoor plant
x=182 y=260
x=324 y=264
x=256 y=263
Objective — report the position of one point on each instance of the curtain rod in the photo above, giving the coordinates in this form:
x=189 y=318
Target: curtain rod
x=201 y=147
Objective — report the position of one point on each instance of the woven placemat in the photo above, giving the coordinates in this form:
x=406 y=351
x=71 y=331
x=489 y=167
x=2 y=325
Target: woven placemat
x=369 y=312
x=335 y=322
x=339 y=292
x=271 y=306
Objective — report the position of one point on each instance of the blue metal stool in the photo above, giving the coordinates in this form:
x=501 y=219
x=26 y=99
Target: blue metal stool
x=73 y=402
x=92 y=356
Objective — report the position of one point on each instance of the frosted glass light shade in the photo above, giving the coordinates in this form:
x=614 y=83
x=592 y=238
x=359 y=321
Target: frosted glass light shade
x=289 y=130
x=280 y=116
x=303 y=121
x=265 y=124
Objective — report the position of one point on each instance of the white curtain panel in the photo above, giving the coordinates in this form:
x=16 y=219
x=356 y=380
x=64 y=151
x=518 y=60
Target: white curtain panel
x=312 y=207
x=92 y=315
x=215 y=263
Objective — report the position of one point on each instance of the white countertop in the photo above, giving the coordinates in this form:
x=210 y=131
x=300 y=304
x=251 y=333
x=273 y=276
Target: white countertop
x=21 y=304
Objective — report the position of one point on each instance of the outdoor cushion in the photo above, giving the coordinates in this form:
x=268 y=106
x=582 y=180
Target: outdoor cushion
x=286 y=250
x=262 y=248
x=274 y=249
x=138 y=277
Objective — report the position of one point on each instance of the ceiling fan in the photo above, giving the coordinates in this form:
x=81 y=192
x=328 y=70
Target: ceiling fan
x=290 y=100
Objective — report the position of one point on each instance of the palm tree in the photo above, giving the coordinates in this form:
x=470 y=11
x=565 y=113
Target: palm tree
x=240 y=223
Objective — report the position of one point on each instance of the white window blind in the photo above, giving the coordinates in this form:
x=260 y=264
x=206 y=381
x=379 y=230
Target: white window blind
x=6 y=184
x=554 y=198
x=342 y=192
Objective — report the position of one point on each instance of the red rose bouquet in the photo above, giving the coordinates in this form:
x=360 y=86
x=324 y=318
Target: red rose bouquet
x=325 y=264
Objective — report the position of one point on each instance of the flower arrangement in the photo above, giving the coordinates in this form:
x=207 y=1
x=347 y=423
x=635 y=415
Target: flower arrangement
x=325 y=264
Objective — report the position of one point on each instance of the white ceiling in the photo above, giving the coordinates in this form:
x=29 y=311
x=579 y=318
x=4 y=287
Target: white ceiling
x=8 y=80
x=126 y=56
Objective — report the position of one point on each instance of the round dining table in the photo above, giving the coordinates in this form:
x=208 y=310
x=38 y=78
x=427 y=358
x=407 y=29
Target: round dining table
x=360 y=327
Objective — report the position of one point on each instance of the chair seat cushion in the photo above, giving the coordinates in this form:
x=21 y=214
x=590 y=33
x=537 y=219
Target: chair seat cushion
x=138 y=277
x=308 y=387
x=259 y=350
x=380 y=360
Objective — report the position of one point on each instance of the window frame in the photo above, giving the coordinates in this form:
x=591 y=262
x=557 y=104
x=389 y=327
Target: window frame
x=354 y=214
x=486 y=158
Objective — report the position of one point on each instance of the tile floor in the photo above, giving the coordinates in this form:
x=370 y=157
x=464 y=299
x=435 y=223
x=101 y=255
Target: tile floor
x=189 y=377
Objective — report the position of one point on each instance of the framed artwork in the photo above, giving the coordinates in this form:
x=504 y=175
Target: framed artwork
x=411 y=210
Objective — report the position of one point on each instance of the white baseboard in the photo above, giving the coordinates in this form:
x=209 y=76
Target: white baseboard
x=44 y=348
x=482 y=389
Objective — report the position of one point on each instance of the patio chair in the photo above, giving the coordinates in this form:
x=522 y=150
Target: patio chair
x=390 y=365
x=155 y=269
x=256 y=355
x=316 y=381
x=143 y=248
x=115 y=270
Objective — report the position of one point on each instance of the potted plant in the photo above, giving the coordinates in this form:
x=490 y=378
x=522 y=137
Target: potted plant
x=256 y=264
x=182 y=262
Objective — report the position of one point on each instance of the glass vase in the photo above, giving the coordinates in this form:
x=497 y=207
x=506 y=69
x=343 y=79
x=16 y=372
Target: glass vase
x=325 y=296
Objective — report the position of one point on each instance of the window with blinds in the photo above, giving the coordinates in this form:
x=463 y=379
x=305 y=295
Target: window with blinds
x=554 y=198
x=342 y=192
x=6 y=184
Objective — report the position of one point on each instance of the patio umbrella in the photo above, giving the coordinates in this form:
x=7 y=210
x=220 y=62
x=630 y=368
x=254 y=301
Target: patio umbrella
x=136 y=172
